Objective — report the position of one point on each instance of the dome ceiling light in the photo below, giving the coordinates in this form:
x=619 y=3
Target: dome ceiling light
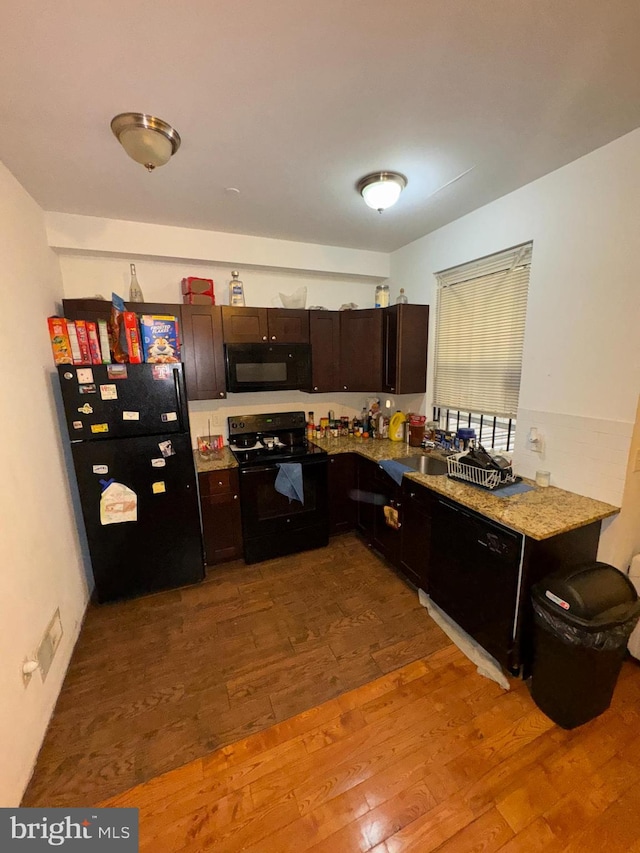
x=381 y=190
x=148 y=140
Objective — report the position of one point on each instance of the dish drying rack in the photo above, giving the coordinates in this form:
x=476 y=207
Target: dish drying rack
x=487 y=479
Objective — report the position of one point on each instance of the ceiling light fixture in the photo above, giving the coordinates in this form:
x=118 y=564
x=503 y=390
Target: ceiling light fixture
x=148 y=140
x=380 y=190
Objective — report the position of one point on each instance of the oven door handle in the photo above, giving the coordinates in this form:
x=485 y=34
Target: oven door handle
x=272 y=466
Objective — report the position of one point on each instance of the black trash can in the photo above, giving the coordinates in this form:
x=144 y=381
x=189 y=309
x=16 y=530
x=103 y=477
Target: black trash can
x=582 y=620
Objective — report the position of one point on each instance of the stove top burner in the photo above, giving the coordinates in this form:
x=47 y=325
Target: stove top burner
x=270 y=438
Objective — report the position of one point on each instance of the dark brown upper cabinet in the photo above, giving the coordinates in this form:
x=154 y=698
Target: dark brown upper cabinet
x=100 y=309
x=361 y=350
x=406 y=331
x=273 y=325
x=203 y=352
x=324 y=336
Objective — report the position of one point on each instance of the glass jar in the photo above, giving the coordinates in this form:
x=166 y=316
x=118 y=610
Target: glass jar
x=382 y=295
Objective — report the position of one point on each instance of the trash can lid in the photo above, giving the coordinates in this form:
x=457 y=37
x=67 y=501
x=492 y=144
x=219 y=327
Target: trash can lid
x=595 y=592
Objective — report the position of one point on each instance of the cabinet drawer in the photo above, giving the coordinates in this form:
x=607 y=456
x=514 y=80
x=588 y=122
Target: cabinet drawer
x=221 y=482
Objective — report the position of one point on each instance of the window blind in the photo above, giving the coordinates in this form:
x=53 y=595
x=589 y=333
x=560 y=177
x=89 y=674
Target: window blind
x=480 y=333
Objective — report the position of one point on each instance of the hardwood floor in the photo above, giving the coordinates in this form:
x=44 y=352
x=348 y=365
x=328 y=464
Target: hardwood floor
x=429 y=757
x=157 y=682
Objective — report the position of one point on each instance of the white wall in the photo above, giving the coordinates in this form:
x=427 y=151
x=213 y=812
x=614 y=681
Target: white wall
x=581 y=370
x=42 y=566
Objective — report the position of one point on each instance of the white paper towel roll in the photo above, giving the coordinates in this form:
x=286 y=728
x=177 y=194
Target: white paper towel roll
x=634 y=577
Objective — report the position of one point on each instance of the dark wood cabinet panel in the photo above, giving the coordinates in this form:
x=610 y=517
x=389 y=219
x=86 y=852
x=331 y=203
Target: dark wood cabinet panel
x=288 y=325
x=100 y=309
x=342 y=482
x=203 y=352
x=324 y=336
x=415 y=538
x=244 y=325
x=221 y=521
x=365 y=471
x=361 y=350
x=406 y=332
x=259 y=325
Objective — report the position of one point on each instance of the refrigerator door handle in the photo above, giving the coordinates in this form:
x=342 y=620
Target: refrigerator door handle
x=176 y=380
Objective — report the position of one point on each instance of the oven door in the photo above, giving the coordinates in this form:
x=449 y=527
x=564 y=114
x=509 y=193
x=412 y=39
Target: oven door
x=267 y=367
x=271 y=524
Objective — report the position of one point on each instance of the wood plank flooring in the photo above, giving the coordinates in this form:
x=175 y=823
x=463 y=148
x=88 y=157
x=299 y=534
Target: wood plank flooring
x=429 y=757
x=157 y=682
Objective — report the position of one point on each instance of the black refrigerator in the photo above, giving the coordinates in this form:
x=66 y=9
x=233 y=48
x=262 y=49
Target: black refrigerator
x=131 y=447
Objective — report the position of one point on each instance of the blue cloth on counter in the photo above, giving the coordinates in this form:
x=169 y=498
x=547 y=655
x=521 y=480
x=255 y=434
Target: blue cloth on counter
x=289 y=481
x=394 y=469
x=515 y=489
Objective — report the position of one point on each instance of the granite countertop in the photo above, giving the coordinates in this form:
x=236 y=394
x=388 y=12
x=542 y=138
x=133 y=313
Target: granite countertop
x=539 y=514
x=216 y=462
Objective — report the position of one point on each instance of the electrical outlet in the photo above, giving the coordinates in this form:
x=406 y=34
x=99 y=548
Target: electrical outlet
x=215 y=420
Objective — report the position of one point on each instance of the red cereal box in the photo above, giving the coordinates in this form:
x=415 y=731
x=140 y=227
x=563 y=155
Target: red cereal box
x=132 y=335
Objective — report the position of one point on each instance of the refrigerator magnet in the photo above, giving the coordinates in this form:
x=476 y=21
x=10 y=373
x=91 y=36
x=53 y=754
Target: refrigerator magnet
x=86 y=409
x=78 y=424
x=169 y=416
x=158 y=488
x=99 y=427
x=118 y=503
x=131 y=416
x=84 y=375
x=166 y=448
x=161 y=371
x=100 y=469
x=108 y=392
x=158 y=463
x=116 y=371
x=87 y=389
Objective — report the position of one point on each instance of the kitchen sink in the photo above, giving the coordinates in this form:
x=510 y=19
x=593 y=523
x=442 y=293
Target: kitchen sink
x=426 y=464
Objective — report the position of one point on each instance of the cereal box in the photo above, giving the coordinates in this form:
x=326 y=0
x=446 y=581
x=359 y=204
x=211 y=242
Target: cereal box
x=132 y=334
x=60 y=343
x=160 y=343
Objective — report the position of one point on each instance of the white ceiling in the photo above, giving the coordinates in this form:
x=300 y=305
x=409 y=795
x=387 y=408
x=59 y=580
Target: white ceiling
x=293 y=101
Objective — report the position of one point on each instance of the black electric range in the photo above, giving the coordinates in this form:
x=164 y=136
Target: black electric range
x=274 y=524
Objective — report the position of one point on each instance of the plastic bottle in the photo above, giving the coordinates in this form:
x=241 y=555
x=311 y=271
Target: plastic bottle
x=402 y=299
x=382 y=295
x=135 y=291
x=236 y=290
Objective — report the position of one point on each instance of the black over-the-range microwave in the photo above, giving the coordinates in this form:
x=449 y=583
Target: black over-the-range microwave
x=267 y=367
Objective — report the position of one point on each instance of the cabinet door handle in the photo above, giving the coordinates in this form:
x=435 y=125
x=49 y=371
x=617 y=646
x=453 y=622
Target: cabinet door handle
x=412 y=494
x=273 y=337
x=391 y=389
x=222 y=393
x=235 y=497
x=345 y=387
x=315 y=387
x=264 y=337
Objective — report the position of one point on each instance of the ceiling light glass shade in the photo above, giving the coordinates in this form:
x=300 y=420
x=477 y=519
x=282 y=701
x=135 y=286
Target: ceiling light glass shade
x=381 y=190
x=146 y=139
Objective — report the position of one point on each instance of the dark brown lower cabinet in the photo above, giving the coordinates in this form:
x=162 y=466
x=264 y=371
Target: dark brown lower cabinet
x=221 y=521
x=386 y=538
x=342 y=482
x=415 y=534
x=365 y=509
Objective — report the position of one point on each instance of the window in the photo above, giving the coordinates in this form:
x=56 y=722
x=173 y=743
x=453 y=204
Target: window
x=479 y=339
